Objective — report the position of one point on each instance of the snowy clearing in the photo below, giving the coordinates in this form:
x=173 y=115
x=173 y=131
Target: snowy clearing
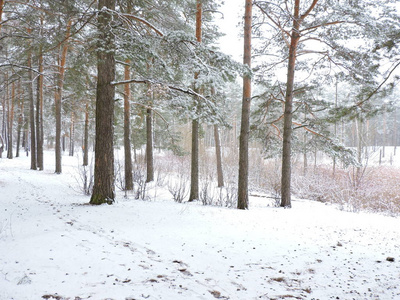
x=54 y=246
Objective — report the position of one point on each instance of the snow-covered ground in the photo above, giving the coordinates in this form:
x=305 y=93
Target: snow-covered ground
x=54 y=246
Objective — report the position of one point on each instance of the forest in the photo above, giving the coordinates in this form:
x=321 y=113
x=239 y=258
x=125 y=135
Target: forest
x=317 y=102
x=140 y=159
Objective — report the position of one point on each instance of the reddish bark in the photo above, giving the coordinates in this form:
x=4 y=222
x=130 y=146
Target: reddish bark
x=194 y=173
x=243 y=196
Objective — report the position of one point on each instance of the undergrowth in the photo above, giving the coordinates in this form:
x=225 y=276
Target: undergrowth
x=373 y=189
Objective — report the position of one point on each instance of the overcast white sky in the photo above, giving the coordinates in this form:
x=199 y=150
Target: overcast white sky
x=232 y=43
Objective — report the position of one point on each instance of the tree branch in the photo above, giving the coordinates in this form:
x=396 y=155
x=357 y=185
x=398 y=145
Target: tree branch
x=138 y=19
x=273 y=21
x=170 y=86
x=303 y=16
x=277 y=129
x=310 y=130
x=152 y=108
x=376 y=90
x=33 y=6
x=322 y=25
x=20 y=67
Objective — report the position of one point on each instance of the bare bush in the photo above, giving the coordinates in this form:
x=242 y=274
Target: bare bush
x=85 y=178
x=179 y=188
x=162 y=169
x=228 y=196
x=207 y=196
x=140 y=180
x=225 y=196
x=119 y=175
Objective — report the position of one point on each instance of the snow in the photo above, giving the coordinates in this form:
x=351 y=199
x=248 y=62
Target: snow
x=53 y=245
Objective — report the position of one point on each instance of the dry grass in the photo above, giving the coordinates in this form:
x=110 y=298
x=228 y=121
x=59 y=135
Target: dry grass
x=375 y=189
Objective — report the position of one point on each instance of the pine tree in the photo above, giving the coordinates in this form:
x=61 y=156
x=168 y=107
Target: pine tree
x=243 y=197
x=103 y=188
x=194 y=171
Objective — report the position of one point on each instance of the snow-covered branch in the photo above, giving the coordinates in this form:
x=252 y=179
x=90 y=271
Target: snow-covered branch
x=20 y=67
x=170 y=86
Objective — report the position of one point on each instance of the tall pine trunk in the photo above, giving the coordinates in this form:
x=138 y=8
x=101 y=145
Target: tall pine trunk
x=1 y=12
x=57 y=105
x=58 y=96
x=20 y=118
x=194 y=170
x=243 y=193
x=10 y=123
x=127 y=121
x=39 y=112
x=335 y=127
x=3 y=134
x=149 y=146
x=395 y=131
x=218 y=155
x=6 y=111
x=31 y=110
x=288 y=113
x=127 y=131
x=218 y=152
x=72 y=135
x=86 y=137
x=103 y=188
x=360 y=147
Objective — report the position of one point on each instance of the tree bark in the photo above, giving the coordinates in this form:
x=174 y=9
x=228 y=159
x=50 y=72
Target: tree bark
x=58 y=96
x=243 y=193
x=149 y=146
x=384 y=131
x=63 y=142
x=6 y=111
x=72 y=134
x=20 y=118
x=103 y=188
x=218 y=154
x=305 y=161
x=194 y=173
x=1 y=12
x=127 y=121
x=39 y=112
x=86 y=137
x=3 y=134
x=395 y=132
x=335 y=126
x=360 y=147
x=57 y=104
x=127 y=131
x=288 y=113
x=194 y=170
x=10 y=122
x=31 y=110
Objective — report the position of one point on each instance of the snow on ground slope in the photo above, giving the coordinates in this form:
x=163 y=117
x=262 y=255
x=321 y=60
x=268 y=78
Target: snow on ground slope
x=54 y=246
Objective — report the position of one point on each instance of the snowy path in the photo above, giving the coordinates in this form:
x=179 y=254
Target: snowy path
x=51 y=244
